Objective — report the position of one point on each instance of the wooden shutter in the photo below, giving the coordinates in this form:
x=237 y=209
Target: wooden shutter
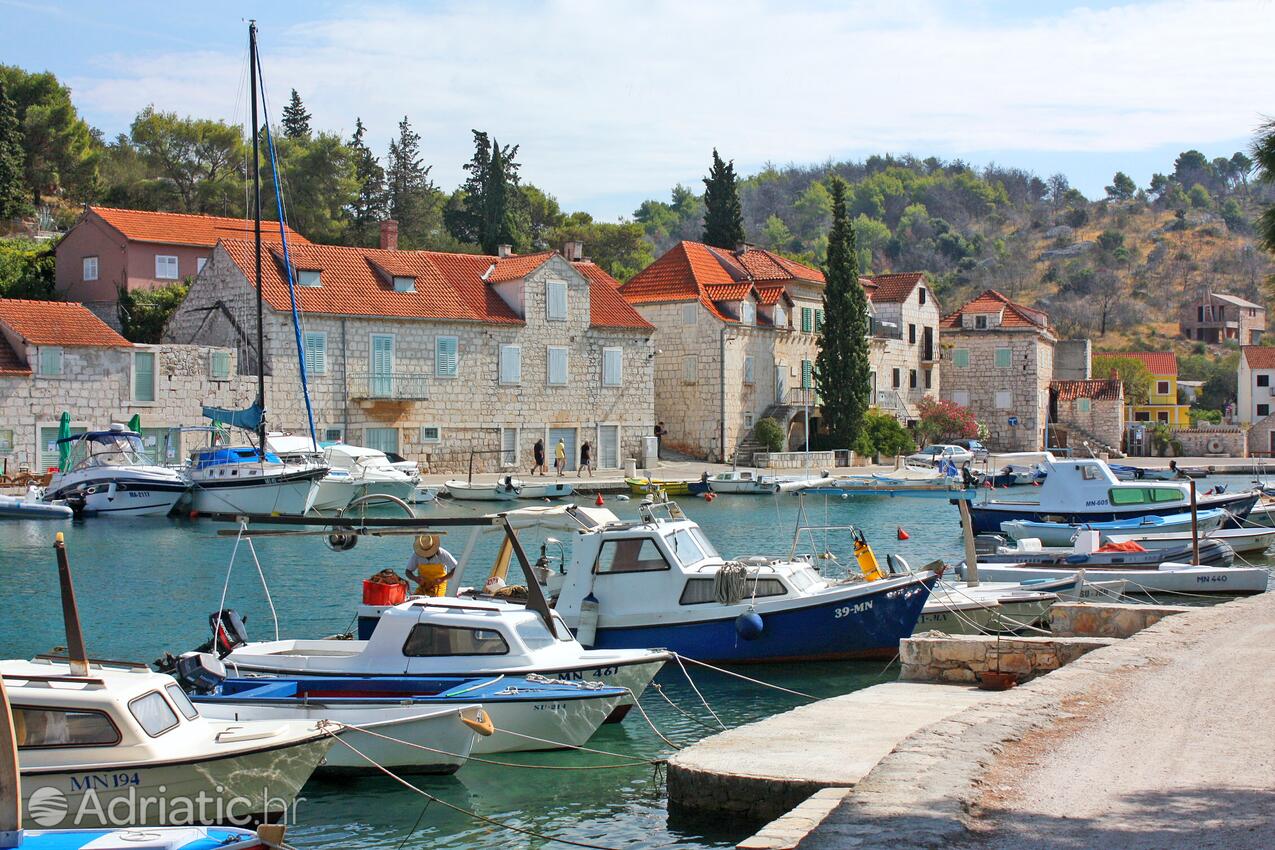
x=807 y=320
x=556 y=300
x=807 y=374
x=316 y=353
x=557 y=365
x=818 y=320
x=612 y=365
x=143 y=376
x=510 y=364
x=445 y=356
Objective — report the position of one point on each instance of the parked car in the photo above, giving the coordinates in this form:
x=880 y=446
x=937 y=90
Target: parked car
x=974 y=447
x=936 y=454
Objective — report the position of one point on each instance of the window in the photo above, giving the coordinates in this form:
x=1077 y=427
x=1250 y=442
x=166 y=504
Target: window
x=219 y=365
x=431 y=434
x=153 y=713
x=609 y=446
x=335 y=434
x=382 y=365
x=1162 y=416
x=690 y=313
x=929 y=378
x=1263 y=410
x=403 y=283
x=912 y=379
x=920 y=294
x=701 y=590
x=165 y=269
x=961 y=397
x=961 y=358
x=1263 y=380
x=183 y=703
x=1002 y=358
x=635 y=555
x=511 y=364
x=690 y=370
x=685 y=548
x=381 y=439
x=911 y=334
x=747 y=312
x=1082 y=405
x=807 y=320
x=980 y=323
x=63 y=727
x=818 y=320
x=445 y=354
x=509 y=446
x=50 y=360
x=557 y=365
x=748 y=420
x=1004 y=399
x=427 y=641
x=316 y=352
x=143 y=376
x=896 y=380
x=200 y=262
x=749 y=369
x=612 y=367
x=556 y=300
x=309 y=277
x=1141 y=416
x=781 y=316
x=90 y=268
x=6 y=441
x=807 y=374
x=1161 y=387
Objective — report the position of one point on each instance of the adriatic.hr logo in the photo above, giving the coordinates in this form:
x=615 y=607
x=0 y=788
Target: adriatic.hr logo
x=47 y=806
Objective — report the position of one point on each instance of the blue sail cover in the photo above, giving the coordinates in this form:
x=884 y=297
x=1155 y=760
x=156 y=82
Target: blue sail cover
x=248 y=419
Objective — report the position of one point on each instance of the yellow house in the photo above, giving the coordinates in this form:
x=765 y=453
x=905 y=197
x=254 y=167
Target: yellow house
x=1162 y=406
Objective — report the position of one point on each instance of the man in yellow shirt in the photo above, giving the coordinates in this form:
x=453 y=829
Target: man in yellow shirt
x=560 y=457
x=431 y=566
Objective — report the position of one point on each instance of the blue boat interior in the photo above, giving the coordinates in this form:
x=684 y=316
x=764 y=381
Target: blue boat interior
x=75 y=839
x=222 y=455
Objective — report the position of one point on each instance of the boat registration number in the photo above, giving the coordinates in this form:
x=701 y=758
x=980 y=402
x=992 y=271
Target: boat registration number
x=556 y=707
x=1207 y=579
x=579 y=675
x=104 y=781
x=1096 y=503
x=856 y=608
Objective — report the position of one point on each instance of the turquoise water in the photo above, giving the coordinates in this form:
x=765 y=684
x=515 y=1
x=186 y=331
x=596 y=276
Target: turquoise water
x=147 y=585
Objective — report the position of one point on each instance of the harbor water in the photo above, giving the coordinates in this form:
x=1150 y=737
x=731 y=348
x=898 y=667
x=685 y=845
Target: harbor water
x=147 y=585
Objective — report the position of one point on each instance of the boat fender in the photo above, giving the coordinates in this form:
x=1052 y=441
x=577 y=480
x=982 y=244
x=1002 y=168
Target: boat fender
x=749 y=625
x=480 y=722
x=708 y=497
x=621 y=498
x=587 y=631
x=867 y=559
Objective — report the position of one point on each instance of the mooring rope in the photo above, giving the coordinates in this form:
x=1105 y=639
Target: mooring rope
x=742 y=676
x=678 y=659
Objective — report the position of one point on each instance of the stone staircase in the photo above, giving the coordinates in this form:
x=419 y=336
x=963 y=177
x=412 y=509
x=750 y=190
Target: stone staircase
x=747 y=446
x=1078 y=437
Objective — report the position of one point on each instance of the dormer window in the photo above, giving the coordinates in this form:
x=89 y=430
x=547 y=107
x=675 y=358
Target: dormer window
x=781 y=316
x=404 y=284
x=308 y=277
x=980 y=323
x=747 y=313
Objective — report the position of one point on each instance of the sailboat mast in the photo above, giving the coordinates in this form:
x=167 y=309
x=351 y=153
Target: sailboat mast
x=256 y=216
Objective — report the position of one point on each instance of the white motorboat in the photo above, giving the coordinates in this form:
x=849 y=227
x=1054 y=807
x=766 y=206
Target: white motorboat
x=1241 y=540
x=239 y=479
x=1087 y=552
x=109 y=474
x=547 y=489
x=504 y=490
x=961 y=613
x=1155 y=578
x=754 y=483
x=31 y=505
x=370 y=471
x=336 y=489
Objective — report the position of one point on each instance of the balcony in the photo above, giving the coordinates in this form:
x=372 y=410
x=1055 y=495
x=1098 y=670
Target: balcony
x=396 y=386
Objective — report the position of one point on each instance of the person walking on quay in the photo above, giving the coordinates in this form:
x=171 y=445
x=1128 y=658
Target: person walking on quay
x=659 y=440
x=586 y=459
x=560 y=457
x=538 y=456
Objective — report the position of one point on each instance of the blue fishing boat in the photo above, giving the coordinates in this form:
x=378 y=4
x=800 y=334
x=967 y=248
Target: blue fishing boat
x=1062 y=533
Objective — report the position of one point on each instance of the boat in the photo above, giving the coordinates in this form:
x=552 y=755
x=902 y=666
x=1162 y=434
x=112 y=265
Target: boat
x=244 y=480
x=543 y=490
x=526 y=714
x=1088 y=552
x=335 y=490
x=421 y=494
x=1063 y=533
x=658 y=581
x=1242 y=540
x=958 y=611
x=750 y=482
x=370 y=471
x=471 y=491
x=647 y=486
x=30 y=505
x=108 y=474
x=1086 y=491
x=1166 y=577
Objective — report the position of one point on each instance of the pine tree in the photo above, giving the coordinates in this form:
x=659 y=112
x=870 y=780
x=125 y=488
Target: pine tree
x=407 y=185
x=842 y=371
x=13 y=195
x=369 y=207
x=490 y=209
x=1264 y=154
x=723 y=215
x=296 y=121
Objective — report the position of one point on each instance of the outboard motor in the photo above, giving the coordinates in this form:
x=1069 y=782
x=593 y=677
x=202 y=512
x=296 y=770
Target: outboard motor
x=200 y=672
x=228 y=630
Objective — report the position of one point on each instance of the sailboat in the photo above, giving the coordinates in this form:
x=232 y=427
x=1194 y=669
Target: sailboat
x=252 y=479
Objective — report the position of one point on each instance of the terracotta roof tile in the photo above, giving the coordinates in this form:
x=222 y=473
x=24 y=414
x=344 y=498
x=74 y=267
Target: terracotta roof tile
x=183 y=229
x=1097 y=390
x=895 y=288
x=514 y=267
x=769 y=296
x=1013 y=315
x=57 y=323
x=729 y=292
x=11 y=363
x=607 y=307
x=1259 y=356
x=1158 y=362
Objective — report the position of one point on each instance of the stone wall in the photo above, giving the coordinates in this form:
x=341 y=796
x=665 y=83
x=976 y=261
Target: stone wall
x=795 y=460
x=1217 y=441
x=1073 y=359
x=888 y=354
x=937 y=657
x=1104 y=421
x=1026 y=380
x=1079 y=619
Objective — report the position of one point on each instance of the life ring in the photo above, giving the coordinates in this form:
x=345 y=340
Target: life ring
x=1214 y=446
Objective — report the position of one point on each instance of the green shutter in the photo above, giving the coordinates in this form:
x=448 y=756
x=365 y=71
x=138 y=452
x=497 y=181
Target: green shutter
x=807 y=320
x=1002 y=358
x=807 y=374
x=818 y=320
x=961 y=358
x=143 y=376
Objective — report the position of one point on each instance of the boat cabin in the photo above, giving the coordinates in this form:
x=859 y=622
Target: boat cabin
x=116 y=447
x=1076 y=485
x=213 y=456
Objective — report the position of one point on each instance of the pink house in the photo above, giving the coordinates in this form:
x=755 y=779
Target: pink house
x=112 y=249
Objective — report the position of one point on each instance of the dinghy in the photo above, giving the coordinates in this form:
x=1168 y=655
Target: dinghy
x=1087 y=552
x=1166 y=577
x=30 y=506
x=1063 y=533
x=1242 y=540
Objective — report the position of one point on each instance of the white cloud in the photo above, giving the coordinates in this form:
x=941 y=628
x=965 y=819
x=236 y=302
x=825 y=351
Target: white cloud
x=611 y=99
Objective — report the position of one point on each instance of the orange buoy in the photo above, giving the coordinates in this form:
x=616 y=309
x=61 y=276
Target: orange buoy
x=903 y=535
x=708 y=497
x=599 y=500
x=194 y=514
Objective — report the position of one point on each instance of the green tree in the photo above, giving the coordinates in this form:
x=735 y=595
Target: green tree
x=13 y=195
x=143 y=313
x=842 y=370
x=543 y=215
x=723 y=214
x=618 y=248
x=320 y=186
x=197 y=164
x=1132 y=372
x=369 y=206
x=27 y=269
x=883 y=435
x=1264 y=155
x=769 y=433
x=491 y=209
x=296 y=120
x=411 y=197
x=58 y=151
x=1200 y=198
x=775 y=235
x=1122 y=187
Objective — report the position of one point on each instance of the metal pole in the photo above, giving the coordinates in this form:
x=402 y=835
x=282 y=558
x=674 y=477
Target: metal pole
x=256 y=215
x=1195 y=527
x=971 y=553
x=10 y=778
x=721 y=430
x=76 y=653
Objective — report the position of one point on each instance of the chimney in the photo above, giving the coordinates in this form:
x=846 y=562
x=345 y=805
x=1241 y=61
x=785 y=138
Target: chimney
x=503 y=251
x=742 y=248
x=573 y=251
x=389 y=235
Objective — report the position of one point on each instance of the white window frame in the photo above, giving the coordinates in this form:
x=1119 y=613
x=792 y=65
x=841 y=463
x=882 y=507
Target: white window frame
x=132 y=375
x=316 y=356
x=618 y=355
x=510 y=377
x=981 y=323
x=89 y=268
x=427 y=437
x=690 y=369
x=690 y=313
x=404 y=283
x=509 y=456
x=750 y=369
x=46 y=360
x=566 y=365
x=555 y=292
x=438 y=359
x=161 y=273
x=333 y=434
x=1167 y=387
x=1004 y=399
x=212 y=366
x=311 y=278
x=200 y=262
x=747 y=312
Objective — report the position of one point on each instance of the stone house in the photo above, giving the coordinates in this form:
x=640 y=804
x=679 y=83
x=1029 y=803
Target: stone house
x=112 y=249
x=1086 y=412
x=1255 y=384
x=57 y=356
x=444 y=358
x=1217 y=317
x=998 y=360
x=1162 y=403
x=738 y=335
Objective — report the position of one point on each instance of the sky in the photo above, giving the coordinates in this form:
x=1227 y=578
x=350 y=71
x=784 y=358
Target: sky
x=615 y=102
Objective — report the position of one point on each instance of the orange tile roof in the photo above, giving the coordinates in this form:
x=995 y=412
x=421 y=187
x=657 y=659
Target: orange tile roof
x=514 y=267
x=11 y=363
x=607 y=307
x=184 y=229
x=769 y=296
x=448 y=286
x=1109 y=389
x=1259 y=356
x=764 y=265
x=1158 y=362
x=729 y=292
x=1013 y=315
x=895 y=288
x=57 y=323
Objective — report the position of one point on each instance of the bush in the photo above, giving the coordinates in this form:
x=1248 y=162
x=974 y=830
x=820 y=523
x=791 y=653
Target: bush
x=942 y=421
x=144 y=312
x=769 y=434
x=27 y=269
x=882 y=434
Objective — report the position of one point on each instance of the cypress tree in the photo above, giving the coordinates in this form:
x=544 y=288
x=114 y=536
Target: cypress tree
x=490 y=208
x=842 y=371
x=296 y=121
x=13 y=195
x=368 y=208
x=723 y=215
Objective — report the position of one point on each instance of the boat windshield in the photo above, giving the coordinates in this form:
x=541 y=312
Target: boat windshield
x=109 y=450
x=688 y=544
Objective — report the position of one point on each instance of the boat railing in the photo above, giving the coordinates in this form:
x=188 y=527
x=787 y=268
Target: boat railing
x=660 y=510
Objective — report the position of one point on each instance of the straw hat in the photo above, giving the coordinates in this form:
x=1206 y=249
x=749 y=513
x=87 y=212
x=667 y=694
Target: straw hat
x=426 y=545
